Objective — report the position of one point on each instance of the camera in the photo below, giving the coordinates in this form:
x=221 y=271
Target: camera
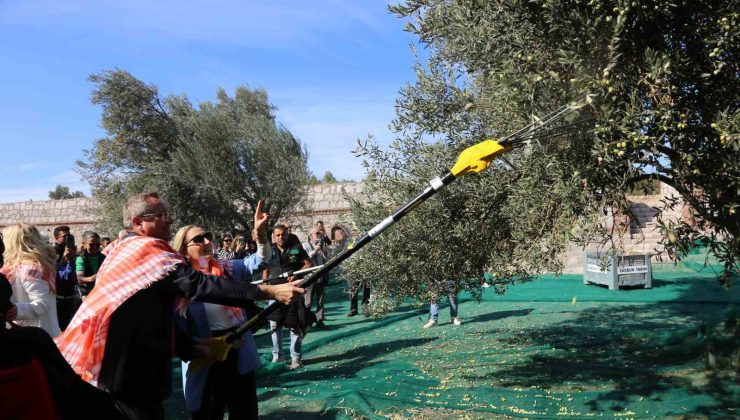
x=69 y=241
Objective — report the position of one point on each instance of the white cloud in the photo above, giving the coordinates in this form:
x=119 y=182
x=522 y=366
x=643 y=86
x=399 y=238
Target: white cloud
x=12 y=195
x=330 y=124
x=330 y=147
x=27 y=166
x=257 y=23
x=38 y=188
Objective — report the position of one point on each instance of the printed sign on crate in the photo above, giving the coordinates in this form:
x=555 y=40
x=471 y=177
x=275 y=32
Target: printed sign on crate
x=633 y=270
x=595 y=268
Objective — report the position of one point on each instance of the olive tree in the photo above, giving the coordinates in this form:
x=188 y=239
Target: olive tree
x=662 y=78
x=212 y=162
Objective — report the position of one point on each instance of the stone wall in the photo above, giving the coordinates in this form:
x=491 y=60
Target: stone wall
x=639 y=237
x=326 y=202
x=323 y=202
x=77 y=213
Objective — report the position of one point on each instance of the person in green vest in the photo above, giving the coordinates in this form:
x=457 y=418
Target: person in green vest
x=88 y=262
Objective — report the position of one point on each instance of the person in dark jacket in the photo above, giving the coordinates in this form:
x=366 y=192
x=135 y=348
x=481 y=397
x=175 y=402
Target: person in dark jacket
x=287 y=256
x=68 y=297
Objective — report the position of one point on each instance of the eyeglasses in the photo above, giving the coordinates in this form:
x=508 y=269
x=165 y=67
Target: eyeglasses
x=227 y=240
x=201 y=239
x=165 y=214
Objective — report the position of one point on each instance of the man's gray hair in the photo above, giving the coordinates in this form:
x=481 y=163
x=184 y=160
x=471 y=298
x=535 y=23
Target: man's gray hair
x=88 y=234
x=137 y=205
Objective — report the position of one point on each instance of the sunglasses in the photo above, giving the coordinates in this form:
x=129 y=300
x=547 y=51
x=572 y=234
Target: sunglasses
x=94 y=245
x=201 y=239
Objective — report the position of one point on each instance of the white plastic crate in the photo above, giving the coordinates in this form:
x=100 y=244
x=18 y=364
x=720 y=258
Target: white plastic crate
x=632 y=270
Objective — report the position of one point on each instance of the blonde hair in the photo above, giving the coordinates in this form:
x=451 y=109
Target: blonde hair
x=137 y=205
x=179 y=243
x=23 y=243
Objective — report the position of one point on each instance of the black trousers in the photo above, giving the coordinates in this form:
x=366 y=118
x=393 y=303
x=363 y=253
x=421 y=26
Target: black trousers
x=66 y=308
x=225 y=387
x=365 y=298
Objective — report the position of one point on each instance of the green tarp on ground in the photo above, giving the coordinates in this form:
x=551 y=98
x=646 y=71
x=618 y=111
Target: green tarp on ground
x=550 y=348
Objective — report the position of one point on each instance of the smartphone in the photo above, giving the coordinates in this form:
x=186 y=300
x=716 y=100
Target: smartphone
x=69 y=241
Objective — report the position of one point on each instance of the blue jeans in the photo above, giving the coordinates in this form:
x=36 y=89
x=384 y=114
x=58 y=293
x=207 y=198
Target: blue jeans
x=434 y=307
x=296 y=339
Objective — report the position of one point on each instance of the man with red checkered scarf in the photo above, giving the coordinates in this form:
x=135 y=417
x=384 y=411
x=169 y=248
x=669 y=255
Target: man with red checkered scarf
x=122 y=338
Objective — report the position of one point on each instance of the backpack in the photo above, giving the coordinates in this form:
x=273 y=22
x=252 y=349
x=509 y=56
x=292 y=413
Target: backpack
x=295 y=315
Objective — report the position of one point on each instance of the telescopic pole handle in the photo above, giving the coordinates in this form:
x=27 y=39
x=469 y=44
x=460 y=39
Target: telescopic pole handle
x=434 y=186
x=288 y=274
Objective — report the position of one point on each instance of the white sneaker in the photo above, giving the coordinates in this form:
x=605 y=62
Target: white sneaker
x=457 y=321
x=430 y=324
x=275 y=357
x=296 y=363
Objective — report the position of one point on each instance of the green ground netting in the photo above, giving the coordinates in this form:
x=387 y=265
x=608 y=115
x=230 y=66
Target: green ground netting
x=550 y=348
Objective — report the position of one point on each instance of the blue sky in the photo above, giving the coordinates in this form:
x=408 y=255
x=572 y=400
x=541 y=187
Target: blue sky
x=332 y=67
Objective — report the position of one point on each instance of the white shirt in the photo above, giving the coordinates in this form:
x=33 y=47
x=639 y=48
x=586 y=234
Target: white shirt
x=223 y=317
x=36 y=302
x=220 y=317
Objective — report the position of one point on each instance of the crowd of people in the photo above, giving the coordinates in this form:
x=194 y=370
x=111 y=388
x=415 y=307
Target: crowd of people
x=119 y=311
